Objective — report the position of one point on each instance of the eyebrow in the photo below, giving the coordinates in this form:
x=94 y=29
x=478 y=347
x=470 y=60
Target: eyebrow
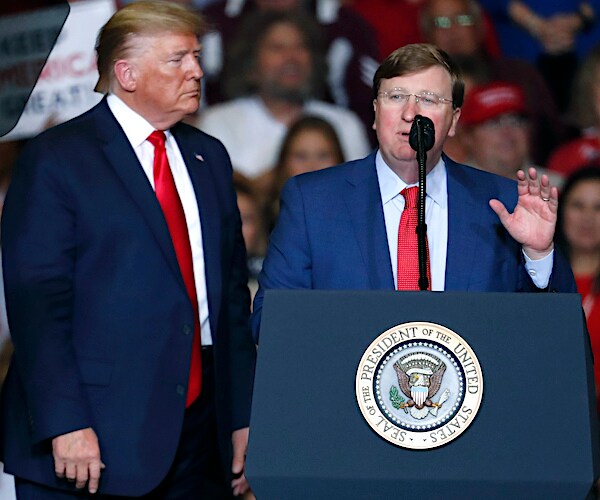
x=183 y=52
x=422 y=91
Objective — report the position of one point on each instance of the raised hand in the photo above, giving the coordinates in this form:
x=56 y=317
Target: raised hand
x=533 y=221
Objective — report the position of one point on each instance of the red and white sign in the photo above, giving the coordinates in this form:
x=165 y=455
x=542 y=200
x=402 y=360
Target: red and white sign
x=65 y=87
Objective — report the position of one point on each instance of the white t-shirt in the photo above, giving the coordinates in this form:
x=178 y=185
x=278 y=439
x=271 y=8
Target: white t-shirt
x=253 y=136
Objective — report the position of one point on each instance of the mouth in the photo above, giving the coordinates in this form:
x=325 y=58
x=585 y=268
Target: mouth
x=292 y=70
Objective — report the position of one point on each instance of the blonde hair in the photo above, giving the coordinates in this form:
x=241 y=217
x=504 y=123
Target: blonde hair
x=116 y=39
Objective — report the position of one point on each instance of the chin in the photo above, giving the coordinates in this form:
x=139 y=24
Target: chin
x=191 y=108
x=406 y=154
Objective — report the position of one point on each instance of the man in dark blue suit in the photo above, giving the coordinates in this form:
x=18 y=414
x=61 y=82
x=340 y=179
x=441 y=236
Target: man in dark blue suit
x=339 y=228
x=133 y=365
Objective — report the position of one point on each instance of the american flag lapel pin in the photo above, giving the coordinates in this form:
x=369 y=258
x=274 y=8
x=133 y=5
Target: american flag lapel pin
x=199 y=157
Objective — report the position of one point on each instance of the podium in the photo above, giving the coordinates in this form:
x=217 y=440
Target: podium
x=534 y=435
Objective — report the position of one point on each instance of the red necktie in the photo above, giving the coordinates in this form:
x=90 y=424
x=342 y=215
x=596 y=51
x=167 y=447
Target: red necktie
x=408 y=247
x=166 y=192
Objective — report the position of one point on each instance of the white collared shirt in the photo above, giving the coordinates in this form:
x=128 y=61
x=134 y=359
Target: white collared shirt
x=137 y=129
x=436 y=218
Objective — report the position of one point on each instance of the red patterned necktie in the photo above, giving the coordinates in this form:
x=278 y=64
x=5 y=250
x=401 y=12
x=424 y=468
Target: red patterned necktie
x=169 y=200
x=408 y=247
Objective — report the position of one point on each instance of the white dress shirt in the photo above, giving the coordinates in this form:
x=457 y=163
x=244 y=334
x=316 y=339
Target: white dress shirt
x=436 y=218
x=137 y=129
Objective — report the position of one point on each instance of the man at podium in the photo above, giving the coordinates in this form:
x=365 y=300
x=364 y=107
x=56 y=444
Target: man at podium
x=353 y=226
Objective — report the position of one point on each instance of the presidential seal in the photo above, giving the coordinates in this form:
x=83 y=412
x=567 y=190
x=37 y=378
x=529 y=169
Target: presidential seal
x=419 y=385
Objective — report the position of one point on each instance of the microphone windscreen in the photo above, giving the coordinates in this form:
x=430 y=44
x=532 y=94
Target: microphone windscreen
x=427 y=133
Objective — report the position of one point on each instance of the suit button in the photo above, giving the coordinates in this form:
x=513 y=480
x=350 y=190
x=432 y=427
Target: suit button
x=180 y=390
x=187 y=329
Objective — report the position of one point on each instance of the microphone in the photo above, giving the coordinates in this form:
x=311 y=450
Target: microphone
x=423 y=131
x=421 y=139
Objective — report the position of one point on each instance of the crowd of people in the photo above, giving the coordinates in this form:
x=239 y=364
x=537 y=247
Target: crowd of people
x=268 y=64
x=531 y=72
x=288 y=87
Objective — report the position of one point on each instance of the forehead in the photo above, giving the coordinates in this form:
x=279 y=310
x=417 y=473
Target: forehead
x=168 y=42
x=448 y=7
x=586 y=188
x=434 y=79
x=282 y=32
x=309 y=135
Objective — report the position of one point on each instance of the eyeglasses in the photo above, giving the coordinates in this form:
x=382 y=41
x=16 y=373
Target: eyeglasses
x=398 y=97
x=446 y=22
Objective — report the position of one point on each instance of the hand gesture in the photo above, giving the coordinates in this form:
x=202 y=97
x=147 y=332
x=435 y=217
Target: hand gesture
x=533 y=221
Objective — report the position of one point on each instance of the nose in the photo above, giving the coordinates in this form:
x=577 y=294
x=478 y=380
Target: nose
x=198 y=73
x=294 y=52
x=409 y=111
x=195 y=71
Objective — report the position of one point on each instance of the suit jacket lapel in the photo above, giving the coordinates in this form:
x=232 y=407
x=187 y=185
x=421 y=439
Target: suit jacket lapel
x=124 y=161
x=363 y=200
x=200 y=167
x=463 y=214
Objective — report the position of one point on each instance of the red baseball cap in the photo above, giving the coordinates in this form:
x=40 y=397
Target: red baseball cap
x=485 y=102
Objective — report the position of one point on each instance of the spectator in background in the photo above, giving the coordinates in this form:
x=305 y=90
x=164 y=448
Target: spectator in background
x=585 y=115
x=350 y=43
x=456 y=27
x=554 y=36
x=397 y=23
x=578 y=233
x=496 y=130
x=274 y=71
x=253 y=228
x=530 y=28
x=310 y=144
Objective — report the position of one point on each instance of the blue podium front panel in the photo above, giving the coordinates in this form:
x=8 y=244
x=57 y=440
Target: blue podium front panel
x=534 y=435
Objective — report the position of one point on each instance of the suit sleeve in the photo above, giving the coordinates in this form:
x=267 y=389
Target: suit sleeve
x=234 y=338
x=561 y=279
x=288 y=264
x=39 y=257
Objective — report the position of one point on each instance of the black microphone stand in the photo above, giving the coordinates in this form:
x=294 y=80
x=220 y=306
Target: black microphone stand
x=424 y=142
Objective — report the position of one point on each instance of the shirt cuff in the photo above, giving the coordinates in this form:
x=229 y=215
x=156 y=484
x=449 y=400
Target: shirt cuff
x=540 y=269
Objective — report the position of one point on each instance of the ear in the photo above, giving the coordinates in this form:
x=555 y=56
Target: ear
x=125 y=75
x=374 y=126
x=455 y=117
